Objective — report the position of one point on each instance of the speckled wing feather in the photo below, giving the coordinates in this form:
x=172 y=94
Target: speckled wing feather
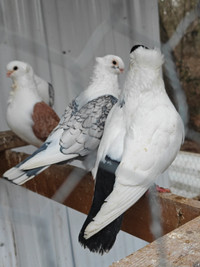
x=70 y=110
x=83 y=131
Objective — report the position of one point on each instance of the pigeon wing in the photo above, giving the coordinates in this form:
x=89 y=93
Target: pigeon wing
x=51 y=153
x=71 y=137
x=84 y=130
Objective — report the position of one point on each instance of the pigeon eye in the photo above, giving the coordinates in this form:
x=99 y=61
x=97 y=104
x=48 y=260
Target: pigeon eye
x=114 y=62
x=15 y=68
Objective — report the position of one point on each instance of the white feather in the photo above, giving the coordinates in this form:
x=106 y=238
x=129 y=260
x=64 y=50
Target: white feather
x=50 y=155
x=45 y=90
x=114 y=206
x=112 y=139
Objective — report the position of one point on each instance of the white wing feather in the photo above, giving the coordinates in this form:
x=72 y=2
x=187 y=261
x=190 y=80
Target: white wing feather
x=112 y=139
x=114 y=206
x=45 y=90
x=50 y=155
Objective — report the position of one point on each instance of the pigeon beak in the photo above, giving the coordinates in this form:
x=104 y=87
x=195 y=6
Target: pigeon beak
x=9 y=72
x=121 y=70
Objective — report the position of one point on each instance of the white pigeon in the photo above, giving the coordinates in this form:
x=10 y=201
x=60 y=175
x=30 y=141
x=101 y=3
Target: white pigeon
x=27 y=115
x=81 y=126
x=142 y=136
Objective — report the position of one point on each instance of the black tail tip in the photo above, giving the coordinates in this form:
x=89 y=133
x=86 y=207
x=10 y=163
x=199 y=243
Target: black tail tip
x=103 y=241
x=95 y=244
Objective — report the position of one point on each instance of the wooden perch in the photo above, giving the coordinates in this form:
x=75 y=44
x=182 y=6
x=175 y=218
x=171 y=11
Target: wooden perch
x=178 y=248
x=176 y=210
x=9 y=140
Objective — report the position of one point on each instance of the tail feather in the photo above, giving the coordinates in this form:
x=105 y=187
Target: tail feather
x=120 y=199
x=20 y=177
x=103 y=240
x=40 y=160
x=49 y=153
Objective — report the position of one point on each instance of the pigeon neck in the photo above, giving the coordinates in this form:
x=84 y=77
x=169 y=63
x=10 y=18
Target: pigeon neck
x=105 y=81
x=140 y=82
x=23 y=88
x=102 y=83
x=24 y=82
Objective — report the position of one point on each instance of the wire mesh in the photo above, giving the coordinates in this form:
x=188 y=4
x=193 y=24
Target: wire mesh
x=184 y=175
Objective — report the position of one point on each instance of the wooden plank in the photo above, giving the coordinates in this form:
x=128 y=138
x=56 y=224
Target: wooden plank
x=178 y=248
x=9 y=140
x=175 y=210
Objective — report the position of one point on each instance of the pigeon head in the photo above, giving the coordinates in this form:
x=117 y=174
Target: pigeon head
x=136 y=47
x=16 y=69
x=112 y=63
x=144 y=57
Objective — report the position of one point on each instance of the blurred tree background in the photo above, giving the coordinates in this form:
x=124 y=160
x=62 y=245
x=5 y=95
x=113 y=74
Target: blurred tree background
x=186 y=54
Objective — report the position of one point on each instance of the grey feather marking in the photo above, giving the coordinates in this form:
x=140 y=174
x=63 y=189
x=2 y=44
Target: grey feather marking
x=84 y=128
x=70 y=110
x=51 y=95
